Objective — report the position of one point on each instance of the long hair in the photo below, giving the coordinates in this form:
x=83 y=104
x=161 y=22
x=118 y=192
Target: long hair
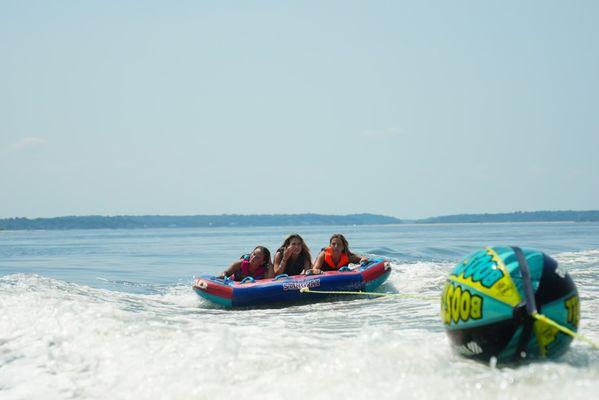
x=266 y=253
x=305 y=250
x=343 y=240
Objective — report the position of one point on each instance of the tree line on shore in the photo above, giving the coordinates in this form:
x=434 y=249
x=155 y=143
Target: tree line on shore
x=238 y=220
x=191 y=221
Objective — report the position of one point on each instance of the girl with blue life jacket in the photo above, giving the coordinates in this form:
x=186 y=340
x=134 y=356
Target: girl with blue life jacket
x=335 y=256
x=257 y=265
x=293 y=257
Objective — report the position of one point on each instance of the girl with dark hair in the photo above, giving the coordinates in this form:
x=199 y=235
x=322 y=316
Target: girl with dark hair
x=293 y=257
x=335 y=256
x=257 y=265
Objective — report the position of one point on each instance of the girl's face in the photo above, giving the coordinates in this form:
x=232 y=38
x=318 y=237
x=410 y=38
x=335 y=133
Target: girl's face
x=257 y=257
x=296 y=245
x=337 y=245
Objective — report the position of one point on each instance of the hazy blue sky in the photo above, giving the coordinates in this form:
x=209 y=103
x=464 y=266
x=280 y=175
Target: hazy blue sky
x=409 y=109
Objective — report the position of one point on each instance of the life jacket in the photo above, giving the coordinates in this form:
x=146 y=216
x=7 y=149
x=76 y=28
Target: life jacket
x=244 y=271
x=329 y=265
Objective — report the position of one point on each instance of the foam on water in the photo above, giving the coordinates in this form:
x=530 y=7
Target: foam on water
x=588 y=258
x=64 y=340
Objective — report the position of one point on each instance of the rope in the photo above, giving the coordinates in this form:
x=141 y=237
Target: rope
x=541 y=317
x=536 y=315
x=308 y=290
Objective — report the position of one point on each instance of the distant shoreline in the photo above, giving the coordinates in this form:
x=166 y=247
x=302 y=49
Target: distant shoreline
x=191 y=221
x=238 y=220
x=518 y=216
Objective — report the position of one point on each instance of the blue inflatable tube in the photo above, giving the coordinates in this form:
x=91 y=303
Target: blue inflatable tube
x=281 y=289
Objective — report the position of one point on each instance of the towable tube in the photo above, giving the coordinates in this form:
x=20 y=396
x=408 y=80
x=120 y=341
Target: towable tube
x=283 y=288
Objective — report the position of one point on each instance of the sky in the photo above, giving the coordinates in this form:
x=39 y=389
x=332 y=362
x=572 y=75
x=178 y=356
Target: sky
x=409 y=109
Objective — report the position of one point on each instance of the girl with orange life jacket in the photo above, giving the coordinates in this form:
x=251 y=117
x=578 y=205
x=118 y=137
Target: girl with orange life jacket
x=335 y=256
x=293 y=257
x=257 y=265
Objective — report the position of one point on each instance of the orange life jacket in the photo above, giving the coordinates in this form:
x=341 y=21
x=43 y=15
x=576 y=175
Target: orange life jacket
x=328 y=259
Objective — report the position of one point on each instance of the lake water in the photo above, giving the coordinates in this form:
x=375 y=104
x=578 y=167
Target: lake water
x=96 y=314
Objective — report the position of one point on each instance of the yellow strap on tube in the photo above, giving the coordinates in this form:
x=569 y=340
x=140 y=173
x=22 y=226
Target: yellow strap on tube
x=548 y=321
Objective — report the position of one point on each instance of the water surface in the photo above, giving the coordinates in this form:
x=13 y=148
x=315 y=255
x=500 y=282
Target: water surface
x=97 y=314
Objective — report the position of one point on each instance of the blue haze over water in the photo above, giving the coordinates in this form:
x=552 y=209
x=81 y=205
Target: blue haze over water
x=110 y=313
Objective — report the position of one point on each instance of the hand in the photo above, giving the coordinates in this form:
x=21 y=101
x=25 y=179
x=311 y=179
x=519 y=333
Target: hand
x=287 y=253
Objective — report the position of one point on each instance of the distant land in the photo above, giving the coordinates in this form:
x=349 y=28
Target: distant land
x=190 y=221
x=518 y=216
x=233 y=220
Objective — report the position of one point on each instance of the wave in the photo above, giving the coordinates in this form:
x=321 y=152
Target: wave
x=586 y=258
x=66 y=340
